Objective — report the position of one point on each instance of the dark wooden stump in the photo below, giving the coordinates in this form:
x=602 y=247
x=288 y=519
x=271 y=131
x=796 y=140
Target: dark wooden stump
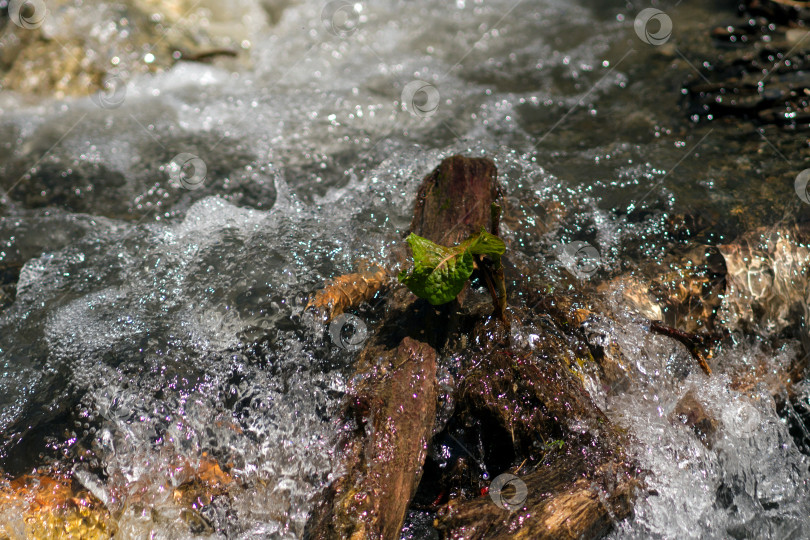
x=531 y=396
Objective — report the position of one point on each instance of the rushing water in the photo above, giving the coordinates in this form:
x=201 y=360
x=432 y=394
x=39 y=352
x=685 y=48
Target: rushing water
x=145 y=289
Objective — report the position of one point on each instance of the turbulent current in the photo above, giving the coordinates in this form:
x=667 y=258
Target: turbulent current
x=166 y=232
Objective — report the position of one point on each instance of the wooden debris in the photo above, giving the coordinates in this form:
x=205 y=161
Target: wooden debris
x=455 y=200
x=561 y=505
x=579 y=490
x=699 y=346
x=347 y=291
x=398 y=395
x=521 y=398
x=394 y=406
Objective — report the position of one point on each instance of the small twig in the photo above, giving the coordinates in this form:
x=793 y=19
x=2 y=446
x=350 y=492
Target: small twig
x=498 y=286
x=202 y=56
x=694 y=343
x=495 y=215
x=501 y=284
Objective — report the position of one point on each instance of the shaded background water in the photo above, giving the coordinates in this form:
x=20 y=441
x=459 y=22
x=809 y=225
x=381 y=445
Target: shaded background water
x=141 y=303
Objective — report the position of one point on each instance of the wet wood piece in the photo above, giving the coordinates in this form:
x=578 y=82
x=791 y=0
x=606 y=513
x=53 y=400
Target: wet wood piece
x=454 y=201
x=698 y=345
x=535 y=400
x=492 y=271
x=560 y=504
x=521 y=399
x=394 y=406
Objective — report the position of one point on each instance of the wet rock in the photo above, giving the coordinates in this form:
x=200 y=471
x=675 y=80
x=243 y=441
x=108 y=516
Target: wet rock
x=792 y=12
x=65 y=48
x=52 y=504
x=737 y=87
x=762 y=73
x=768 y=281
x=759 y=283
x=691 y=412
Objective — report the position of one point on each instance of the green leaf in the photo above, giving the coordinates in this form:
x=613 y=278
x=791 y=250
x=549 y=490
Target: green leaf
x=485 y=243
x=440 y=284
x=440 y=272
x=428 y=253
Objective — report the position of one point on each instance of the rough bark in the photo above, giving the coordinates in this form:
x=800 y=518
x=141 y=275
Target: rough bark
x=454 y=200
x=522 y=397
x=533 y=405
x=562 y=504
x=394 y=407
